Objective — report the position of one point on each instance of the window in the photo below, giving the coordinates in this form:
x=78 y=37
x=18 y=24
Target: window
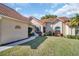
x=57 y=28
x=17 y=27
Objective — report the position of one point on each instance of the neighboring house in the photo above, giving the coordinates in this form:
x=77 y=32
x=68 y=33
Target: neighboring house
x=36 y=23
x=57 y=25
x=71 y=30
x=13 y=26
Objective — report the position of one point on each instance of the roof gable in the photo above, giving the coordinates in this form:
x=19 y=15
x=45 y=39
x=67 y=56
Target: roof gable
x=7 y=11
x=52 y=20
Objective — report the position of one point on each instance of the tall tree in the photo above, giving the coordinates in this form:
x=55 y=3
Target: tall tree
x=48 y=16
x=75 y=21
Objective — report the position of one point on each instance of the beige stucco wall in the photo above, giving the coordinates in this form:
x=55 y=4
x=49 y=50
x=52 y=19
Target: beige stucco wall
x=51 y=27
x=58 y=24
x=9 y=33
x=41 y=28
x=37 y=24
x=73 y=31
x=69 y=30
x=64 y=29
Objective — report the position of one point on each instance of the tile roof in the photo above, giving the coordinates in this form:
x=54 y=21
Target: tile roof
x=31 y=18
x=63 y=19
x=44 y=21
x=7 y=11
x=35 y=19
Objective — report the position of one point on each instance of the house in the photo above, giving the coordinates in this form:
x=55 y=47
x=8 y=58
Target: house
x=57 y=25
x=13 y=26
x=71 y=30
x=54 y=25
x=37 y=24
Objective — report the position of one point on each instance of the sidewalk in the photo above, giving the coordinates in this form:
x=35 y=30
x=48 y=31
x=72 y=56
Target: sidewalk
x=2 y=48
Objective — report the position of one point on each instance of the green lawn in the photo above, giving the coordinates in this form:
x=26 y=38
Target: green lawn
x=45 y=46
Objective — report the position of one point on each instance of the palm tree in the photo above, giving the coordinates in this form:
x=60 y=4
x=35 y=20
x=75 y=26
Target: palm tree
x=74 y=22
x=48 y=16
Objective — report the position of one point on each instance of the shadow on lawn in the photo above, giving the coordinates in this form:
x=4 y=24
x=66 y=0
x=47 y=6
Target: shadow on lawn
x=36 y=42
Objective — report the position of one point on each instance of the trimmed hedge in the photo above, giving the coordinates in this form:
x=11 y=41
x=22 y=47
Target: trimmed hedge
x=73 y=36
x=48 y=33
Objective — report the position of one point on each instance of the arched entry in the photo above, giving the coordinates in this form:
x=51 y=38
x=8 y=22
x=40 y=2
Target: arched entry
x=30 y=31
x=44 y=29
x=57 y=30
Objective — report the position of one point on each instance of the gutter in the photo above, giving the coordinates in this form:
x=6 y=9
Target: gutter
x=15 y=19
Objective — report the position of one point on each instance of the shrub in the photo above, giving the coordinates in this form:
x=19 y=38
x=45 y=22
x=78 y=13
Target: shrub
x=78 y=37
x=39 y=33
x=73 y=36
x=45 y=34
x=48 y=33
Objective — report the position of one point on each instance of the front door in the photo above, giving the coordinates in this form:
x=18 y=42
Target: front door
x=57 y=31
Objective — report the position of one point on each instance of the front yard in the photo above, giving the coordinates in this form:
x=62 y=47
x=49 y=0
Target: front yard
x=47 y=46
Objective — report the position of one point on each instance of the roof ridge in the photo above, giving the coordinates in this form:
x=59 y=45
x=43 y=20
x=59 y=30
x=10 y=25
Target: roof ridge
x=9 y=8
x=7 y=11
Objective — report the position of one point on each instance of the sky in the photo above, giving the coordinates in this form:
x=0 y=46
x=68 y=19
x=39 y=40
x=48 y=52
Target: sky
x=40 y=9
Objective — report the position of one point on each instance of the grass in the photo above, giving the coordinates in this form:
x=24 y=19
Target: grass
x=45 y=46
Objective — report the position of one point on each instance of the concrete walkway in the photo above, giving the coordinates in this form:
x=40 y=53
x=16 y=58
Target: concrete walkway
x=2 y=48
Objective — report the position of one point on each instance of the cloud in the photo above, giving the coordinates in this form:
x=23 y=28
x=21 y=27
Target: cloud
x=38 y=15
x=54 y=5
x=18 y=5
x=51 y=9
x=17 y=9
x=67 y=10
x=35 y=15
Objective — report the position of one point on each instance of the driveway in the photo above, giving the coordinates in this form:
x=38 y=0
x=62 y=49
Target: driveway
x=2 y=48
